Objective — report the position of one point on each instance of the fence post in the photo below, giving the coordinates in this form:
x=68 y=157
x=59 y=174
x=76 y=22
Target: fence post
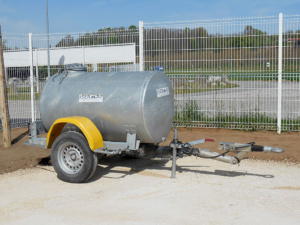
x=4 y=101
x=48 y=50
x=141 y=45
x=279 y=74
x=6 y=74
x=31 y=79
x=37 y=72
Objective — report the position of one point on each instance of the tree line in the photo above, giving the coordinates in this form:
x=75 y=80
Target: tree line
x=158 y=39
x=101 y=37
x=197 y=48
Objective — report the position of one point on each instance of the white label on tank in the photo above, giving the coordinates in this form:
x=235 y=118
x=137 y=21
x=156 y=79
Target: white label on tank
x=161 y=92
x=90 y=98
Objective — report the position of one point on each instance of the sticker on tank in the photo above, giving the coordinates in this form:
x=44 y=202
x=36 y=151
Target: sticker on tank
x=161 y=92
x=90 y=98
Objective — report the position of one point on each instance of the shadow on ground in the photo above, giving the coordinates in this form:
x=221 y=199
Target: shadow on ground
x=119 y=167
x=150 y=167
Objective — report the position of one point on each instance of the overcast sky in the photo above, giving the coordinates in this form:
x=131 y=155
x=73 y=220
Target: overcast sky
x=24 y=16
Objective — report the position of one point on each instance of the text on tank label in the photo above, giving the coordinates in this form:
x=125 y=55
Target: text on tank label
x=90 y=98
x=161 y=92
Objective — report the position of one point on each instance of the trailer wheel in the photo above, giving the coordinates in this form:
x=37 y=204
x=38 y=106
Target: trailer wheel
x=72 y=158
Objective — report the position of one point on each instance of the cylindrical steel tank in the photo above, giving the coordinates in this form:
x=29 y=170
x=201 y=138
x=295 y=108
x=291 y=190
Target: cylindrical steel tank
x=116 y=102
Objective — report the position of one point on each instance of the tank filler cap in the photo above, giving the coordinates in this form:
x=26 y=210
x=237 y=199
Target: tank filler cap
x=76 y=67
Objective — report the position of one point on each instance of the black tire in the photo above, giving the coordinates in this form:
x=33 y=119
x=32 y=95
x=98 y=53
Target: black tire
x=71 y=127
x=72 y=158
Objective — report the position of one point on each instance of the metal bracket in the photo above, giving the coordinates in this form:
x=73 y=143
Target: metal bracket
x=131 y=141
x=38 y=142
x=234 y=147
x=174 y=153
x=114 y=148
x=36 y=128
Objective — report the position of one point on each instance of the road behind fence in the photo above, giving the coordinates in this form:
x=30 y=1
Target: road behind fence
x=240 y=73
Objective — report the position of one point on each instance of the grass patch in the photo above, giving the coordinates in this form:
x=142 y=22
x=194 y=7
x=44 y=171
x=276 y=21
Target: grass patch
x=22 y=96
x=26 y=90
x=240 y=76
x=192 y=89
x=191 y=116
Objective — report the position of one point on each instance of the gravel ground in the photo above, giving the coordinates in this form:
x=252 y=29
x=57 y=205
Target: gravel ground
x=139 y=191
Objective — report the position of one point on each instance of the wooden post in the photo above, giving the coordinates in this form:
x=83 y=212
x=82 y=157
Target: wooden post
x=4 y=101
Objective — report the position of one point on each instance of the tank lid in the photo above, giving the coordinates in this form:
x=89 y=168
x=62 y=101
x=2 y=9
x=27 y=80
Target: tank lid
x=76 y=67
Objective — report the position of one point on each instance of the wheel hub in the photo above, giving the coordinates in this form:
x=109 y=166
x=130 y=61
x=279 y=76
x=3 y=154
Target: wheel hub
x=71 y=159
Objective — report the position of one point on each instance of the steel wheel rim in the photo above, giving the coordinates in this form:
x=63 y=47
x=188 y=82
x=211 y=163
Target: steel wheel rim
x=70 y=158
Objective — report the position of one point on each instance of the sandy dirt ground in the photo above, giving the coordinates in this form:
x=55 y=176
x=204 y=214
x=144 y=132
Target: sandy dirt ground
x=262 y=190
x=20 y=156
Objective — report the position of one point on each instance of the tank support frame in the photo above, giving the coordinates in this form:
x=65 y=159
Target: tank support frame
x=175 y=150
x=110 y=148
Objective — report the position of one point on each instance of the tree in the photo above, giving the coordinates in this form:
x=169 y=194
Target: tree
x=132 y=27
x=66 y=41
x=201 y=32
x=254 y=37
x=249 y=30
x=85 y=40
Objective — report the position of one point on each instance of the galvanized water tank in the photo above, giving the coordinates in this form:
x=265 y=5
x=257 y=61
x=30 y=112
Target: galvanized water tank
x=141 y=102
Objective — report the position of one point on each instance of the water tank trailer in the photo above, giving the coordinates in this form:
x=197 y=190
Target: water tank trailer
x=88 y=114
